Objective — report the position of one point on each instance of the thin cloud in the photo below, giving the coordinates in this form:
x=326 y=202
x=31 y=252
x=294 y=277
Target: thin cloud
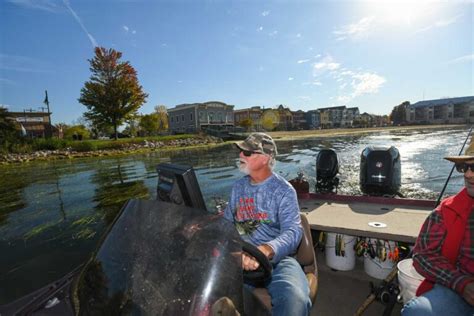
x=344 y=99
x=367 y=83
x=291 y=78
x=326 y=64
x=304 y=98
x=273 y=34
x=22 y=64
x=355 y=83
x=260 y=29
x=302 y=61
x=440 y=24
x=78 y=19
x=355 y=31
x=462 y=59
x=265 y=13
x=314 y=83
x=127 y=30
x=44 y=5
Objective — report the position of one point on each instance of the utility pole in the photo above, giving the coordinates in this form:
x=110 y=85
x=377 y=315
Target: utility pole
x=46 y=101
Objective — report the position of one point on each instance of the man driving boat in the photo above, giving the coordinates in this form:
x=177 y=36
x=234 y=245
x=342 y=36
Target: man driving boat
x=264 y=208
x=444 y=252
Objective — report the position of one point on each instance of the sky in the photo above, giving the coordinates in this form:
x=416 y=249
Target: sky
x=303 y=54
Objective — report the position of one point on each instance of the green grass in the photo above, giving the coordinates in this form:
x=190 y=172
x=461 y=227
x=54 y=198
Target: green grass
x=110 y=143
x=28 y=146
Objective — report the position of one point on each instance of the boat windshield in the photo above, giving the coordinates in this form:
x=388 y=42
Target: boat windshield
x=162 y=259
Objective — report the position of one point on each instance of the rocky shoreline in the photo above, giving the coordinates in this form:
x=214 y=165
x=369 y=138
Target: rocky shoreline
x=127 y=148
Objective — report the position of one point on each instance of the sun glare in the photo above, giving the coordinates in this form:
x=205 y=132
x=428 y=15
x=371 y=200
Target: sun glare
x=402 y=13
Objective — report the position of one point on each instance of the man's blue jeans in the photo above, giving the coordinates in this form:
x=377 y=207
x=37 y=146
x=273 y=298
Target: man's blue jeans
x=438 y=301
x=289 y=289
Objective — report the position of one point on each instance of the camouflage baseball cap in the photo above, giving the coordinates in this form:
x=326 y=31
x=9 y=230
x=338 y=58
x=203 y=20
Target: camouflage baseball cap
x=259 y=143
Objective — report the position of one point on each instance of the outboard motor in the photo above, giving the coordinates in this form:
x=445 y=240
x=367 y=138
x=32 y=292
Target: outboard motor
x=380 y=171
x=327 y=167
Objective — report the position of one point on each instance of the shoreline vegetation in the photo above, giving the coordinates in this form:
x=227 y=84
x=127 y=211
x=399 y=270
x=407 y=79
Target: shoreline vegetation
x=100 y=148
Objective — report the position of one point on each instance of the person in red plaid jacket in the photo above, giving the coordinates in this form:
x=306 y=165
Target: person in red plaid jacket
x=444 y=252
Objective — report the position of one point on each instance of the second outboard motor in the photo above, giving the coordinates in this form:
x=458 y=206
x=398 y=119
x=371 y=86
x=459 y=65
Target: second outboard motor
x=380 y=171
x=327 y=167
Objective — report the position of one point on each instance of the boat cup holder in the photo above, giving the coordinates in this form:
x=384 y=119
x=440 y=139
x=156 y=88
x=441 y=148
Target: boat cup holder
x=377 y=224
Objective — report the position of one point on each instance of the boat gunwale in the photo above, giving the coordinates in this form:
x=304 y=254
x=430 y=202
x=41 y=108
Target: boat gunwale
x=368 y=199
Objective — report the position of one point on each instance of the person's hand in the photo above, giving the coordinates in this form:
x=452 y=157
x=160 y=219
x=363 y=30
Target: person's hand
x=249 y=263
x=267 y=251
x=468 y=293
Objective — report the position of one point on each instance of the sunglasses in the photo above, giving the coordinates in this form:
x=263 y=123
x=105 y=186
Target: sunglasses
x=463 y=167
x=248 y=153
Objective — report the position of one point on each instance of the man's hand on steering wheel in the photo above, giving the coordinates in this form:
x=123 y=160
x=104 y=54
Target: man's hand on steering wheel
x=256 y=265
x=249 y=263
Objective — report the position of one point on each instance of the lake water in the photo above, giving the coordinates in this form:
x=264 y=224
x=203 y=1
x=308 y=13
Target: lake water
x=52 y=214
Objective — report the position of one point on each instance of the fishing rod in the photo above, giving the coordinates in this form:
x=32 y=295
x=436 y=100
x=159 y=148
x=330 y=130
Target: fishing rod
x=386 y=291
x=452 y=169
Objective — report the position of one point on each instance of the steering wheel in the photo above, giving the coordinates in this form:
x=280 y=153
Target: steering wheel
x=264 y=271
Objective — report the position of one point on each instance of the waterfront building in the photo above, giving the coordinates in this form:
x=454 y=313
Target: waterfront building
x=442 y=111
x=34 y=124
x=250 y=118
x=335 y=116
x=324 y=119
x=283 y=119
x=299 y=120
x=313 y=119
x=196 y=117
x=366 y=120
x=349 y=116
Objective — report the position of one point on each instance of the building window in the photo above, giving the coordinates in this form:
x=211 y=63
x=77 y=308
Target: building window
x=172 y=119
x=182 y=117
x=190 y=116
x=211 y=116
x=219 y=117
x=177 y=118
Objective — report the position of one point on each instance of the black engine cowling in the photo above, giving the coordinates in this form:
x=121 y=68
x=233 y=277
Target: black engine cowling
x=327 y=167
x=380 y=171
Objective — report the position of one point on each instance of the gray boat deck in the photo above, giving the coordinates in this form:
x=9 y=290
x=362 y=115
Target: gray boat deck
x=341 y=293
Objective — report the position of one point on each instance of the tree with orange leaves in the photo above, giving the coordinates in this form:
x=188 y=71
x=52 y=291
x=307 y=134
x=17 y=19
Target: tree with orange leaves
x=112 y=94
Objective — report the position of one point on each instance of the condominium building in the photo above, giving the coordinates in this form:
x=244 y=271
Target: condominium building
x=313 y=119
x=442 y=111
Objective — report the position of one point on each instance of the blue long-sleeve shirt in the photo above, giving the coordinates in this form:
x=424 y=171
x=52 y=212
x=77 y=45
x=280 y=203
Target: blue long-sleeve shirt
x=266 y=213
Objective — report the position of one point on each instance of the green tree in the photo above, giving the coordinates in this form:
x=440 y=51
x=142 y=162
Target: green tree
x=113 y=94
x=132 y=128
x=77 y=130
x=8 y=128
x=149 y=124
x=398 y=115
x=162 y=113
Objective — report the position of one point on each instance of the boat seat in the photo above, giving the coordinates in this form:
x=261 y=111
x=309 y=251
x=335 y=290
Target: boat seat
x=306 y=257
